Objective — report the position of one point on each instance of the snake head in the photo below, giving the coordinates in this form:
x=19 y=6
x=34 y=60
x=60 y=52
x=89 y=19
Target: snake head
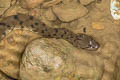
x=86 y=42
x=92 y=45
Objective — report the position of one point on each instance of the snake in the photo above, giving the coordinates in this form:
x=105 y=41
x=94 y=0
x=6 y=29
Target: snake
x=18 y=30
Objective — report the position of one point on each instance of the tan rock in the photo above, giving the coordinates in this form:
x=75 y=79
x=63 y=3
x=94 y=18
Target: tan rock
x=4 y=5
x=44 y=60
x=50 y=3
x=30 y=3
x=110 y=46
x=49 y=15
x=86 y=2
x=107 y=76
x=69 y=12
x=51 y=59
x=10 y=59
x=117 y=69
x=109 y=49
x=89 y=68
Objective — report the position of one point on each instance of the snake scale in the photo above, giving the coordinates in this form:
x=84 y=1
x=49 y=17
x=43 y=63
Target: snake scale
x=17 y=31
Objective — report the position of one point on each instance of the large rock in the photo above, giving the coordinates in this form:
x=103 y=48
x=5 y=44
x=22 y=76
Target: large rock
x=51 y=59
x=109 y=51
x=117 y=69
x=44 y=60
x=69 y=12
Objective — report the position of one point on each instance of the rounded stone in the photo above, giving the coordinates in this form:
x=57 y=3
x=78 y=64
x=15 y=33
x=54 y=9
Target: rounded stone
x=44 y=60
x=69 y=12
x=51 y=59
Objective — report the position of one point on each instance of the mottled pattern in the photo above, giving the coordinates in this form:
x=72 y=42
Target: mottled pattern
x=78 y=40
x=18 y=30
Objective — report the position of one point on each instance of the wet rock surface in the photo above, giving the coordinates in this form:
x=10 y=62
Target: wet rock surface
x=66 y=13
x=4 y=5
x=117 y=69
x=91 y=17
x=44 y=59
x=30 y=3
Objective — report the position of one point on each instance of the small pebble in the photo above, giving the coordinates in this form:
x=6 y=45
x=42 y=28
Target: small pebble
x=97 y=25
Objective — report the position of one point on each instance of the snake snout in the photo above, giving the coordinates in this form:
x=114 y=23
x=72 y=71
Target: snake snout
x=93 y=45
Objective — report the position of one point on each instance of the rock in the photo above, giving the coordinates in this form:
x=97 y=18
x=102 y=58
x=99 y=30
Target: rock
x=44 y=60
x=88 y=66
x=110 y=45
x=117 y=69
x=86 y=2
x=109 y=49
x=30 y=3
x=49 y=15
x=4 y=5
x=4 y=76
x=50 y=3
x=69 y=12
x=10 y=60
x=51 y=59
x=107 y=76
x=97 y=25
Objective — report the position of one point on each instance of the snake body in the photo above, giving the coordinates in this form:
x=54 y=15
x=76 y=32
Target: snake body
x=18 y=30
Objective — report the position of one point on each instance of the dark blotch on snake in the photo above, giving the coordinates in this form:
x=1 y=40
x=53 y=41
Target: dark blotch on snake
x=32 y=25
x=79 y=40
x=15 y=17
x=22 y=26
x=8 y=26
x=31 y=17
x=36 y=23
x=21 y=22
x=56 y=30
x=43 y=24
x=2 y=24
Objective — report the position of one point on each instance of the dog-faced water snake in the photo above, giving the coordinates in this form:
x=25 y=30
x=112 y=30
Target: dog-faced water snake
x=18 y=30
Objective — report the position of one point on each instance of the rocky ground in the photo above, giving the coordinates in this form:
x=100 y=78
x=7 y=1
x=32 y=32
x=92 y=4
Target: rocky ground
x=52 y=59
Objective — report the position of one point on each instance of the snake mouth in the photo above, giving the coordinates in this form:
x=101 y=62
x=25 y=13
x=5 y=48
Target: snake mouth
x=93 y=45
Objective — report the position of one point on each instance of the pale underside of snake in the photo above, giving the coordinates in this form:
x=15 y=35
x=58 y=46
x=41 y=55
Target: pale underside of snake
x=18 y=30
